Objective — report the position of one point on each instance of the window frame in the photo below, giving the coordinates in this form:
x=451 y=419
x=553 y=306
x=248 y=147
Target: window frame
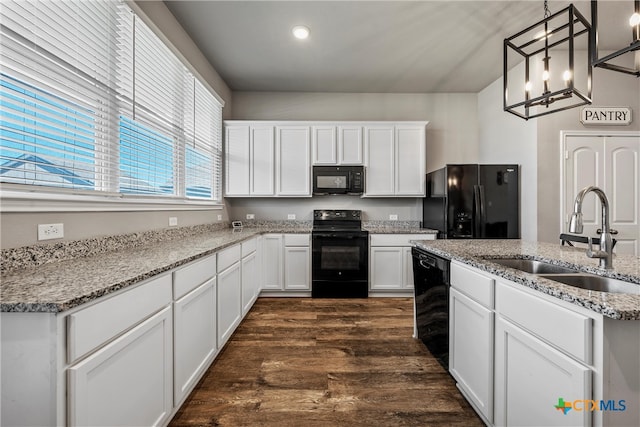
x=36 y=198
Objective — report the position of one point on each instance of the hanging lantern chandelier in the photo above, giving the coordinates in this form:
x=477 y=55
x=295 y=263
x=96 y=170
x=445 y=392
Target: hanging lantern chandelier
x=631 y=52
x=541 y=73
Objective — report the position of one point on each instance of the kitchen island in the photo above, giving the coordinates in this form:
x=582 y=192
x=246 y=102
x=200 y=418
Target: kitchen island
x=528 y=350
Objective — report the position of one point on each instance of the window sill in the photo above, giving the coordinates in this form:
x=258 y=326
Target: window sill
x=36 y=201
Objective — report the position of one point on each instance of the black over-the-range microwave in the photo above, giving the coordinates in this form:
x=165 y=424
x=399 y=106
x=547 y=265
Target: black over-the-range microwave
x=338 y=180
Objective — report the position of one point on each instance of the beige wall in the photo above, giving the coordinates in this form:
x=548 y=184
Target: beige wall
x=20 y=229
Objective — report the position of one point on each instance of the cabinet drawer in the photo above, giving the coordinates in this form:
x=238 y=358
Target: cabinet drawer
x=228 y=257
x=296 y=239
x=473 y=284
x=249 y=246
x=90 y=328
x=395 y=239
x=561 y=327
x=193 y=275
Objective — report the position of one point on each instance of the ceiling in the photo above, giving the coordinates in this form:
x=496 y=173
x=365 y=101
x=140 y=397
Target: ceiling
x=369 y=46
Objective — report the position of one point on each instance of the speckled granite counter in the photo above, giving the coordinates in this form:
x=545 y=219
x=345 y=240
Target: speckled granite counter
x=58 y=285
x=396 y=227
x=480 y=253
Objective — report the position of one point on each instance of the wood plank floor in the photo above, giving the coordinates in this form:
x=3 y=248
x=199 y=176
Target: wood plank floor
x=326 y=362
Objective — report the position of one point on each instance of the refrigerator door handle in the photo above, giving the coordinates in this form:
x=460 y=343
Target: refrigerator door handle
x=480 y=218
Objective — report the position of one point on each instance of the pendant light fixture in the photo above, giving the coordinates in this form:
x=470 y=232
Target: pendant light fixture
x=541 y=74
x=630 y=52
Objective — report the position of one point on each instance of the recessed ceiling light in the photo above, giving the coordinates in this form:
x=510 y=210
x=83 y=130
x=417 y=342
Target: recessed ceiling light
x=300 y=32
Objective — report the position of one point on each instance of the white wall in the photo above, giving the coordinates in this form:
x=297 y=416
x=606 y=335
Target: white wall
x=452 y=137
x=505 y=138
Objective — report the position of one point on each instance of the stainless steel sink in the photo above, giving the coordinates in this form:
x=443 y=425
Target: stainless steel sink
x=533 y=266
x=595 y=283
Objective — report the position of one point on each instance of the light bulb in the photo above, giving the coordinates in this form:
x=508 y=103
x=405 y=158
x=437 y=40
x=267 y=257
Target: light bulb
x=545 y=75
x=528 y=86
x=634 y=19
x=300 y=32
x=566 y=76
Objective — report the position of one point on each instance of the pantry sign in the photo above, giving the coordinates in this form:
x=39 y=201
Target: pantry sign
x=620 y=116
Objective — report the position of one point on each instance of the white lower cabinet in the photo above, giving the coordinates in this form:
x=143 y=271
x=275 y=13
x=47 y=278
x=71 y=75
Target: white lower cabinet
x=127 y=382
x=471 y=351
x=250 y=287
x=229 y=293
x=390 y=262
x=297 y=262
x=532 y=377
x=286 y=264
x=194 y=337
x=272 y=262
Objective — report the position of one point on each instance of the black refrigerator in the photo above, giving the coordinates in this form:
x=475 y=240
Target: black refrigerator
x=471 y=201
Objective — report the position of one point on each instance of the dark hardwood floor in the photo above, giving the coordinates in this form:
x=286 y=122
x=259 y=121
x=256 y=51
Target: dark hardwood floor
x=326 y=362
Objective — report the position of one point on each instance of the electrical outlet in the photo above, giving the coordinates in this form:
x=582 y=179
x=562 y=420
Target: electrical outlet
x=219 y=217
x=291 y=216
x=251 y=216
x=173 y=220
x=393 y=217
x=50 y=231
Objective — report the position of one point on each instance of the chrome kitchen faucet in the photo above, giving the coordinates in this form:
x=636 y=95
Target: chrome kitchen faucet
x=605 y=254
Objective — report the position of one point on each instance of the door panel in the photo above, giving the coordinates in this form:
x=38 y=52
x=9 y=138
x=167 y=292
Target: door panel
x=622 y=178
x=610 y=162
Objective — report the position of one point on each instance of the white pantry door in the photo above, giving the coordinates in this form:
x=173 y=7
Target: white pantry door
x=610 y=162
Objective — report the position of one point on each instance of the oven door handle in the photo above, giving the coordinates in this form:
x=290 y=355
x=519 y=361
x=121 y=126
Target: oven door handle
x=335 y=235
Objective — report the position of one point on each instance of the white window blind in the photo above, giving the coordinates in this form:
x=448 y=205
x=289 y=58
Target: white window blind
x=92 y=99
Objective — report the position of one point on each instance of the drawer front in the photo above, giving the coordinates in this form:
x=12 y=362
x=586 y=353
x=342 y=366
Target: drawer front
x=228 y=257
x=193 y=275
x=395 y=239
x=296 y=239
x=93 y=326
x=561 y=327
x=473 y=284
x=249 y=246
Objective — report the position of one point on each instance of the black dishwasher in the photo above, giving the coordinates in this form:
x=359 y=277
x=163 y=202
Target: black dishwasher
x=431 y=286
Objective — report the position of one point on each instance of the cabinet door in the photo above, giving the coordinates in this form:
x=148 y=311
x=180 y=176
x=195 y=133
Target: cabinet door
x=249 y=285
x=407 y=261
x=471 y=351
x=531 y=378
x=350 y=145
x=128 y=382
x=324 y=145
x=272 y=262
x=194 y=336
x=229 y=302
x=262 y=161
x=380 y=152
x=237 y=160
x=410 y=166
x=297 y=268
x=293 y=168
x=386 y=268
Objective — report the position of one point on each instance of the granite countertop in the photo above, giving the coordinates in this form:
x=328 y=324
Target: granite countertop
x=481 y=252
x=396 y=227
x=59 y=285
x=56 y=277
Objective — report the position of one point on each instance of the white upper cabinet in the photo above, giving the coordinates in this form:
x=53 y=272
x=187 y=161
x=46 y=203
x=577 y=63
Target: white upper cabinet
x=350 y=145
x=337 y=144
x=293 y=162
x=410 y=160
x=250 y=161
x=273 y=159
x=395 y=157
x=324 y=145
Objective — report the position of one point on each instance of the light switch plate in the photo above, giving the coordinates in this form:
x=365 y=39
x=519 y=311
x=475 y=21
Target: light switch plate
x=291 y=216
x=173 y=221
x=393 y=217
x=251 y=216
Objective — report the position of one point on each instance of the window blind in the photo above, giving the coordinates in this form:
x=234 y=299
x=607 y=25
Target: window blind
x=92 y=99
